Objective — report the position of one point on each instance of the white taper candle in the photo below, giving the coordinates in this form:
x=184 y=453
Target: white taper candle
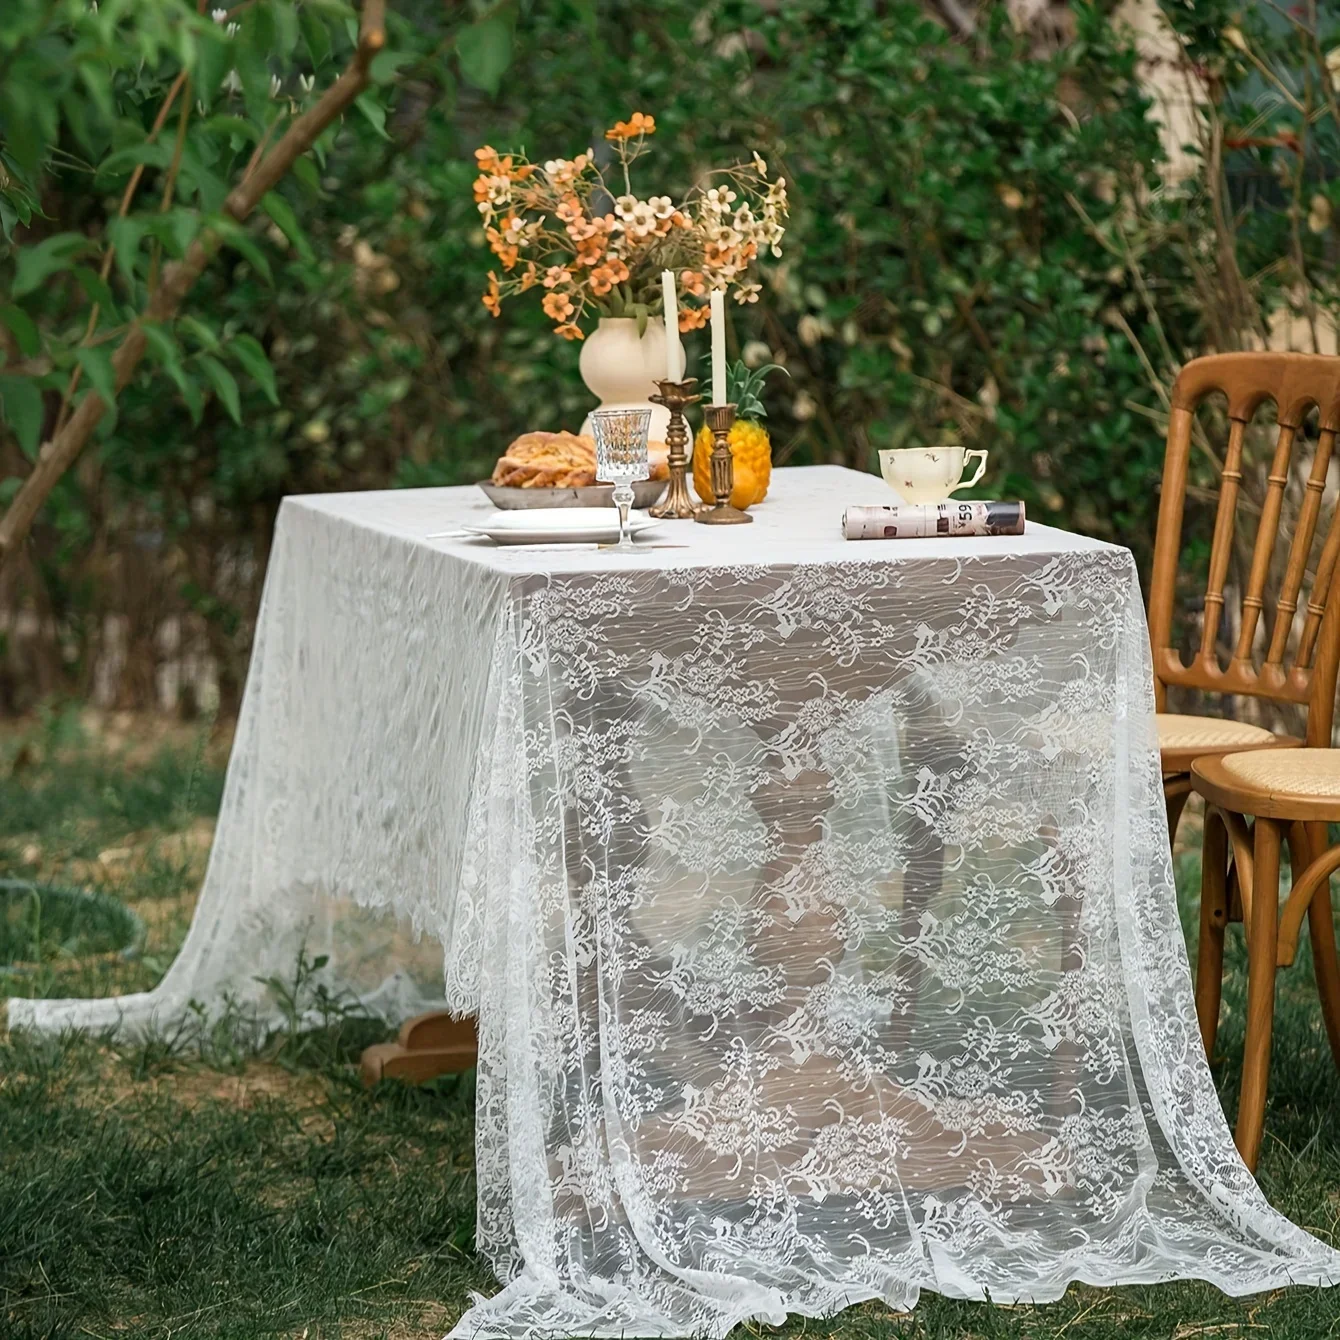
x=718 y=348
x=674 y=350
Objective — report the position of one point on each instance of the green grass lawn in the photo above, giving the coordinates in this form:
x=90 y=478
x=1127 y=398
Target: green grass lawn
x=149 y=1192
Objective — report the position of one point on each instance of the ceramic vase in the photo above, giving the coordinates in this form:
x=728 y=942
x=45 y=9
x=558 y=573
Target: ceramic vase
x=621 y=369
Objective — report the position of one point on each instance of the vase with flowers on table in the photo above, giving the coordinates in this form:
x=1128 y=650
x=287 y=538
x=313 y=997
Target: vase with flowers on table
x=627 y=274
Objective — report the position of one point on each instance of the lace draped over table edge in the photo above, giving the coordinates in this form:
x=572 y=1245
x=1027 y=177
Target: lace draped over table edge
x=1190 y=1167
x=445 y=677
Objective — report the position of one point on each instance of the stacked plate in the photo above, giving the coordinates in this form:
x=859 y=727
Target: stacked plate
x=560 y=525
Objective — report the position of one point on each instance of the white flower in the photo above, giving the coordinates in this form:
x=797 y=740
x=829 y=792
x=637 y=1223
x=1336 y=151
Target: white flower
x=276 y=85
x=661 y=206
x=719 y=199
x=564 y=171
x=500 y=188
x=220 y=16
x=637 y=217
x=307 y=82
x=231 y=29
x=760 y=164
x=747 y=292
x=723 y=235
x=231 y=83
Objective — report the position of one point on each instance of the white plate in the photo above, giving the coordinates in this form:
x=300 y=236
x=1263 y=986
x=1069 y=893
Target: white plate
x=551 y=525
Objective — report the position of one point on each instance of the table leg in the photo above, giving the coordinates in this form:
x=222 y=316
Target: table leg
x=429 y=1045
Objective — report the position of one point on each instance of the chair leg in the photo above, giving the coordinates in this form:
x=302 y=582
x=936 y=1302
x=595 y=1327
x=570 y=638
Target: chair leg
x=1213 y=920
x=1176 y=793
x=1262 y=932
x=1321 y=930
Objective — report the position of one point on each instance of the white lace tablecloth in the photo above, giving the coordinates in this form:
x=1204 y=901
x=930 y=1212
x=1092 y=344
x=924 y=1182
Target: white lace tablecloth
x=814 y=898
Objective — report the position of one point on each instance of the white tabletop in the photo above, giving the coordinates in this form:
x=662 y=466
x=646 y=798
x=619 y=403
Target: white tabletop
x=800 y=521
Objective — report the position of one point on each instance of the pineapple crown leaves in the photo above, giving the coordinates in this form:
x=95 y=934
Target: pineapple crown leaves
x=744 y=387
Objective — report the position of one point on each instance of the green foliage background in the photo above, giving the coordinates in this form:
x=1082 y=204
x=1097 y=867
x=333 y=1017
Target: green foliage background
x=962 y=263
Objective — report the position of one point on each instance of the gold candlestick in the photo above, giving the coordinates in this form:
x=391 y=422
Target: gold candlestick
x=720 y=418
x=676 y=397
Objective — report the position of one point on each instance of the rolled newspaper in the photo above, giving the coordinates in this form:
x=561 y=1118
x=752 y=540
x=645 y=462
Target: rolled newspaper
x=914 y=521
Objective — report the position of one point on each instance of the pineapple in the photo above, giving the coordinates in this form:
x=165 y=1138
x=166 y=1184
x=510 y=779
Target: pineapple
x=749 y=442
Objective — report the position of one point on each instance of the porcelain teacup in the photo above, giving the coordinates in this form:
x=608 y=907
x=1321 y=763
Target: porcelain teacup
x=928 y=474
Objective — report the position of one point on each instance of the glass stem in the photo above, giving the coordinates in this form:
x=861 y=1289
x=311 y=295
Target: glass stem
x=623 y=499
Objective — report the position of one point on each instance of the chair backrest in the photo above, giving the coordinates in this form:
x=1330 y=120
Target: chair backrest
x=1297 y=669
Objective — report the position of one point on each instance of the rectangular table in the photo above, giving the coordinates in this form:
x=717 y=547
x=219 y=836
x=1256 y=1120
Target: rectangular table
x=814 y=899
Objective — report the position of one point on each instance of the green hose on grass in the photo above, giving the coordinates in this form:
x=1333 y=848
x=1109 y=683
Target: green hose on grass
x=41 y=922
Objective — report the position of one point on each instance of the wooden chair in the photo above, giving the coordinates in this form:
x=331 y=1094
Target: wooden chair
x=1293 y=795
x=1296 y=383
x=1275 y=782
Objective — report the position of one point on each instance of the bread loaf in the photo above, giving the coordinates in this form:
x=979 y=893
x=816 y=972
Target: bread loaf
x=561 y=461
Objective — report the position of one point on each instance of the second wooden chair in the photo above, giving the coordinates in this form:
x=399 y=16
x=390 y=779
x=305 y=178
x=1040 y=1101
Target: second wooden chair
x=1295 y=383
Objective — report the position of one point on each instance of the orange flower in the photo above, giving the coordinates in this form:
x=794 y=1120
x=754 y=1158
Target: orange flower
x=491 y=300
x=556 y=275
x=590 y=251
x=569 y=209
x=692 y=281
x=531 y=277
x=604 y=277
x=583 y=229
x=569 y=332
x=487 y=159
x=557 y=306
x=637 y=124
x=693 y=318
x=501 y=248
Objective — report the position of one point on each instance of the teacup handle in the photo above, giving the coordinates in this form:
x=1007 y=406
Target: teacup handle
x=981 y=469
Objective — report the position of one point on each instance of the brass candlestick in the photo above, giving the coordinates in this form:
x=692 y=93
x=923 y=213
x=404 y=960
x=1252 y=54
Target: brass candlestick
x=720 y=418
x=676 y=397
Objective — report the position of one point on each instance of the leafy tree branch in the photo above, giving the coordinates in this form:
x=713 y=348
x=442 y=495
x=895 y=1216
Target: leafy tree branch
x=58 y=454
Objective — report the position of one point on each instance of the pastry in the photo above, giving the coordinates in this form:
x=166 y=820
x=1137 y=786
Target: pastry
x=547 y=460
x=562 y=461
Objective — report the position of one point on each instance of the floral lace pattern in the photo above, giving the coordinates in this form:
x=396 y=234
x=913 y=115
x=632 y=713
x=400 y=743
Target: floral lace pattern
x=841 y=954
x=818 y=916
